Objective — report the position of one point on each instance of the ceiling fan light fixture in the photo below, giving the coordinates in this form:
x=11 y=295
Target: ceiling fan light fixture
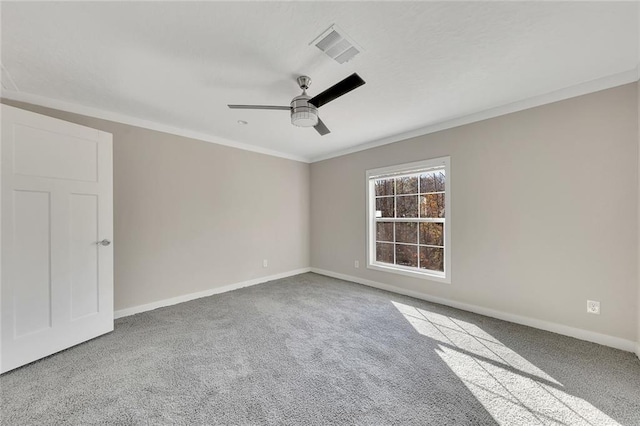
x=304 y=117
x=303 y=114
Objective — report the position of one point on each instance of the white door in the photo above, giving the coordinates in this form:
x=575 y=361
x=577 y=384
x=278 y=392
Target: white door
x=56 y=287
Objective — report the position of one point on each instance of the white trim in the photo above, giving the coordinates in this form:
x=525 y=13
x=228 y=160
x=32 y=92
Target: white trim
x=599 y=84
x=585 y=88
x=138 y=122
x=425 y=274
x=397 y=170
x=590 y=336
x=638 y=350
x=603 y=83
x=216 y=290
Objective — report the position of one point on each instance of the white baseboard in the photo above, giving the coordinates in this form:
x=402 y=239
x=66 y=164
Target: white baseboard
x=590 y=336
x=216 y=290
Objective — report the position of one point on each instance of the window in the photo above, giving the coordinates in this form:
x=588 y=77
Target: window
x=408 y=219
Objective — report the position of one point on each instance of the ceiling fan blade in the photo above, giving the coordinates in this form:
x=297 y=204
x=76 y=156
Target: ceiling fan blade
x=284 y=108
x=321 y=128
x=345 y=86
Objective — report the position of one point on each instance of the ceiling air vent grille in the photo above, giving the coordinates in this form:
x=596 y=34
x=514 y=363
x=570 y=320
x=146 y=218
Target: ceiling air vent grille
x=337 y=45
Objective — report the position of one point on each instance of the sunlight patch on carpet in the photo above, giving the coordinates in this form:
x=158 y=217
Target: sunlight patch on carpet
x=512 y=389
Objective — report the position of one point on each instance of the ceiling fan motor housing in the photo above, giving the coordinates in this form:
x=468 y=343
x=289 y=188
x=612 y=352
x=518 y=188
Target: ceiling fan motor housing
x=303 y=114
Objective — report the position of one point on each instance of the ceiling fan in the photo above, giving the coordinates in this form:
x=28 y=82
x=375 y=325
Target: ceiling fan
x=304 y=108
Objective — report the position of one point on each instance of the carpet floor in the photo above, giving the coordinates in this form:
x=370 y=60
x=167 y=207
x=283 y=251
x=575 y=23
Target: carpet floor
x=313 y=350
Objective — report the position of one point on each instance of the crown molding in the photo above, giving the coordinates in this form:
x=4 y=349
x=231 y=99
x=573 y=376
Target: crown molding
x=139 y=122
x=585 y=88
x=551 y=97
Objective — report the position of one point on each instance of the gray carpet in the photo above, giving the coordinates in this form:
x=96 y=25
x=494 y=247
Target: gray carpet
x=312 y=350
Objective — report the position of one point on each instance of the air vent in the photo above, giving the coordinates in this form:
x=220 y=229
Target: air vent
x=337 y=44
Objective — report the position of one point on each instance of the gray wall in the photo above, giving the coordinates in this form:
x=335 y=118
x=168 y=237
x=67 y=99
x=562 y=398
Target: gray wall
x=544 y=211
x=191 y=215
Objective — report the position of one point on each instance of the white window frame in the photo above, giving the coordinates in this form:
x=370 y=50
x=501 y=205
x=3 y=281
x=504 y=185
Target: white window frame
x=402 y=169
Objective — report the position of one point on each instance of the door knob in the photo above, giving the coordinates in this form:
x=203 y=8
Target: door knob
x=104 y=242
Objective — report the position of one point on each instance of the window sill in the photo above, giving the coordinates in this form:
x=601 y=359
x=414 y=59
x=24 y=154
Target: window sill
x=441 y=278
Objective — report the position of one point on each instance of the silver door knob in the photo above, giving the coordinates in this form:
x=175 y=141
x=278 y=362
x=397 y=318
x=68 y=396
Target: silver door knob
x=104 y=242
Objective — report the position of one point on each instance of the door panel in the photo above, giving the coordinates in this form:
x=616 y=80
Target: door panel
x=32 y=262
x=56 y=287
x=46 y=153
x=84 y=255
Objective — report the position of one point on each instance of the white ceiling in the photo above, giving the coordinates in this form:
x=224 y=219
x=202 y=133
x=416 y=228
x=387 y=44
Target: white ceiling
x=180 y=63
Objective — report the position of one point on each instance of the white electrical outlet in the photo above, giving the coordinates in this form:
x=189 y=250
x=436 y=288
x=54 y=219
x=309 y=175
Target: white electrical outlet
x=265 y=263
x=593 y=307
x=356 y=264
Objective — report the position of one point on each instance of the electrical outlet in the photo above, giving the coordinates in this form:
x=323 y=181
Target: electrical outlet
x=265 y=263
x=356 y=264
x=593 y=307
